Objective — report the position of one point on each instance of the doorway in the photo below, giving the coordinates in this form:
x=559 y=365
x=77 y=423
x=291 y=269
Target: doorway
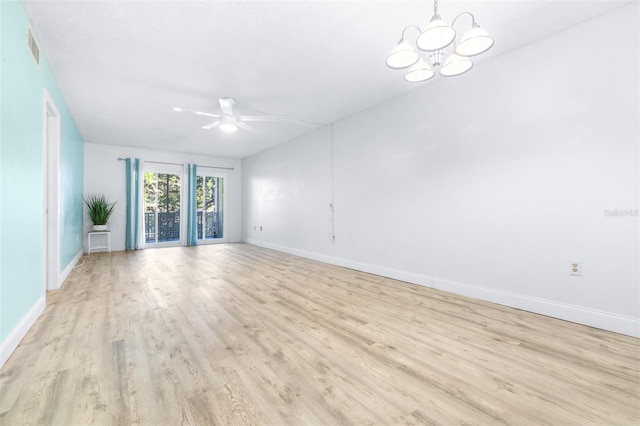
x=211 y=203
x=162 y=202
x=51 y=189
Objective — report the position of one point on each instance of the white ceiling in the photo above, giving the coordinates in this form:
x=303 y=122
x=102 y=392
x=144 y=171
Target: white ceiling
x=123 y=65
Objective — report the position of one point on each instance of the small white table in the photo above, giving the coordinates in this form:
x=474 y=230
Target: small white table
x=106 y=241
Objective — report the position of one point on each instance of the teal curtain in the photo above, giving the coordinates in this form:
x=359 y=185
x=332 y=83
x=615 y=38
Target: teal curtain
x=192 y=206
x=134 y=239
x=220 y=206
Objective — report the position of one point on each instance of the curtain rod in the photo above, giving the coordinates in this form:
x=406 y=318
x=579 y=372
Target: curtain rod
x=182 y=164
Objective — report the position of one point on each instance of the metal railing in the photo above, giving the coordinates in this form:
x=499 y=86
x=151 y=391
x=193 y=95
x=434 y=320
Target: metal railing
x=168 y=226
x=212 y=228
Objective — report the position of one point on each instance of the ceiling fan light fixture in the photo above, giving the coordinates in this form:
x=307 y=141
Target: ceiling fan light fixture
x=229 y=123
x=229 y=127
x=474 y=42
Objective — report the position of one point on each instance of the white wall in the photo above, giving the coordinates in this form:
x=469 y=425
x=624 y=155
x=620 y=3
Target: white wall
x=103 y=173
x=487 y=184
x=293 y=194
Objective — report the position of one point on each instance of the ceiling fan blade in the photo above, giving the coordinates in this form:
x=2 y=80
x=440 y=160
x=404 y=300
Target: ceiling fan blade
x=226 y=104
x=206 y=114
x=195 y=112
x=258 y=118
x=212 y=125
x=246 y=127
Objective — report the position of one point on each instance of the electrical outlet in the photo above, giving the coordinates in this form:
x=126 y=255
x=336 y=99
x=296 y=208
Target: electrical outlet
x=255 y=228
x=576 y=268
x=261 y=227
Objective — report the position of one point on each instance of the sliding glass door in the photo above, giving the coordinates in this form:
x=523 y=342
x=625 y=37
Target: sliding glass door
x=162 y=201
x=210 y=195
x=165 y=221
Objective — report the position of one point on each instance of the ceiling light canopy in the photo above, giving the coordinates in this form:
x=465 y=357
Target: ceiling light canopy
x=436 y=40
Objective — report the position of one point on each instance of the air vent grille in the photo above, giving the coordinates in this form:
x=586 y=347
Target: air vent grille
x=33 y=47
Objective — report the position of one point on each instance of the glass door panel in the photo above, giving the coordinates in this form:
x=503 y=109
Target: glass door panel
x=161 y=207
x=210 y=206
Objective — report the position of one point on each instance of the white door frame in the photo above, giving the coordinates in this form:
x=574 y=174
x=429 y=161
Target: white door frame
x=50 y=193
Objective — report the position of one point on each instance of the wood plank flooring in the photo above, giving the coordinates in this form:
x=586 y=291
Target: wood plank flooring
x=235 y=334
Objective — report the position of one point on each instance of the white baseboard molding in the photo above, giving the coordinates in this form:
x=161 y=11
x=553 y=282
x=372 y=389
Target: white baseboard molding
x=64 y=274
x=14 y=338
x=622 y=324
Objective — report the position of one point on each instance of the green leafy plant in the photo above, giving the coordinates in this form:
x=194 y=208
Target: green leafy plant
x=99 y=208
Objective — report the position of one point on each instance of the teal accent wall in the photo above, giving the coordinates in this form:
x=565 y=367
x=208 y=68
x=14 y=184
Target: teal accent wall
x=21 y=171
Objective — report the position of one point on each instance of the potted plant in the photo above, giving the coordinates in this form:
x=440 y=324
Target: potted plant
x=99 y=209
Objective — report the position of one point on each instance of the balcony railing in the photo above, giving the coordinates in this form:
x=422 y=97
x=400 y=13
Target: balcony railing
x=169 y=226
x=213 y=228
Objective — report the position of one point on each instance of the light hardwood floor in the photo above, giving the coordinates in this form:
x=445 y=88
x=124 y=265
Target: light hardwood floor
x=235 y=334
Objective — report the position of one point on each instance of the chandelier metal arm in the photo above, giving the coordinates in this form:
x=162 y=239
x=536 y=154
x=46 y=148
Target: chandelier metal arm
x=409 y=27
x=473 y=18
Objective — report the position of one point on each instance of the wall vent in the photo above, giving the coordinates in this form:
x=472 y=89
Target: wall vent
x=33 y=47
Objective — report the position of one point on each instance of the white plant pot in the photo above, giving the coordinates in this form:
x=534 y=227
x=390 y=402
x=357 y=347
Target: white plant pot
x=99 y=227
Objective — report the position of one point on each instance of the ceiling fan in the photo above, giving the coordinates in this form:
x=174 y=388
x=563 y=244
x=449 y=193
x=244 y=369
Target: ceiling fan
x=228 y=121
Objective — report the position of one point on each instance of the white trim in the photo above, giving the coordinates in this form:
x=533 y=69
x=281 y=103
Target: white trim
x=617 y=323
x=63 y=276
x=14 y=338
x=184 y=201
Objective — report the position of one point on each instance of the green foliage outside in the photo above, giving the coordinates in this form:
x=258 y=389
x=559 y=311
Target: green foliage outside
x=162 y=192
x=206 y=192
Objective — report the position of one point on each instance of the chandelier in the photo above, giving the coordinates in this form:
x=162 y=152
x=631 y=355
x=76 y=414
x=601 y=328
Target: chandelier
x=436 y=41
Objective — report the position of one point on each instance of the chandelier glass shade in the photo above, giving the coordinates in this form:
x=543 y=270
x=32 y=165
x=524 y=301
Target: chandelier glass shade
x=420 y=71
x=474 y=42
x=403 y=56
x=455 y=65
x=436 y=41
x=436 y=36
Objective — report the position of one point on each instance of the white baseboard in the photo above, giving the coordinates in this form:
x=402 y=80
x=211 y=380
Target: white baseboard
x=622 y=324
x=64 y=274
x=14 y=338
